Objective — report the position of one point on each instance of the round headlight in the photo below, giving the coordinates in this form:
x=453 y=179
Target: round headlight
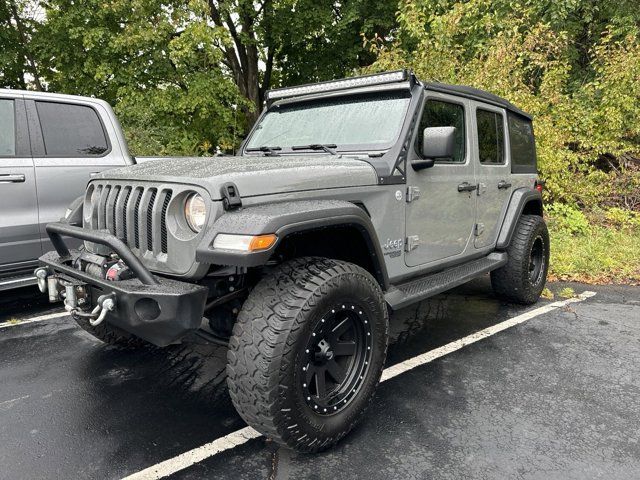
x=195 y=211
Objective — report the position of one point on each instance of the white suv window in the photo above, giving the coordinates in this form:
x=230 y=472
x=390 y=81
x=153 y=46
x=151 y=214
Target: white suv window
x=7 y=129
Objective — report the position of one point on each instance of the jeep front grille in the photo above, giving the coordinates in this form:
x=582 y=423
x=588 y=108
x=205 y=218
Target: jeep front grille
x=137 y=215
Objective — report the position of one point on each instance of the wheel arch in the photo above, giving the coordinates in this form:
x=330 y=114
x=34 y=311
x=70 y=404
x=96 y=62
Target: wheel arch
x=303 y=228
x=524 y=201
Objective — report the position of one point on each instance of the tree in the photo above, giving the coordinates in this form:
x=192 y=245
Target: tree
x=305 y=40
x=156 y=63
x=18 y=65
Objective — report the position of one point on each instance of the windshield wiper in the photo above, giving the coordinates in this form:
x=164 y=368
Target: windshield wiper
x=327 y=147
x=269 y=151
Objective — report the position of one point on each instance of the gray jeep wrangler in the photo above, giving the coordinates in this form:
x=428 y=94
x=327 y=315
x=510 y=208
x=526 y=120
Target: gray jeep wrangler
x=349 y=199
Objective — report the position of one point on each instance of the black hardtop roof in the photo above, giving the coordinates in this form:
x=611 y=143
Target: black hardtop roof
x=475 y=94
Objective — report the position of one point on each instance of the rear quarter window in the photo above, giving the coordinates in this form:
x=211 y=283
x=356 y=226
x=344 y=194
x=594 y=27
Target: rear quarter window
x=71 y=130
x=522 y=145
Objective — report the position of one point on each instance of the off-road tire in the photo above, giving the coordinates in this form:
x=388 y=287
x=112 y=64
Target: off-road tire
x=266 y=350
x=513 y=281
x=112 y=335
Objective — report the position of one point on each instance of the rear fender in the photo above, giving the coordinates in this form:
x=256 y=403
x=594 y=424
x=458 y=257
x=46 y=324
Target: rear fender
x=523 y=200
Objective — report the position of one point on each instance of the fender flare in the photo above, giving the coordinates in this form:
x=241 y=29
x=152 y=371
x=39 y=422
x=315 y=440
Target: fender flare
x=284 y=219
x=520 y=198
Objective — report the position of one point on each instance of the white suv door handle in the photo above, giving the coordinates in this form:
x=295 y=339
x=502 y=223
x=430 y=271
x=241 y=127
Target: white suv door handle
x=504 y=184
x=12 y=178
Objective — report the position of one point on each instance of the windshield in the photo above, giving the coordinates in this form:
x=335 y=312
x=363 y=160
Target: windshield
x=349 y=123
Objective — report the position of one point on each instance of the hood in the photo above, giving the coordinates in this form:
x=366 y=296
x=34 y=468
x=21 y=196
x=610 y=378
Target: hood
x=253 y=175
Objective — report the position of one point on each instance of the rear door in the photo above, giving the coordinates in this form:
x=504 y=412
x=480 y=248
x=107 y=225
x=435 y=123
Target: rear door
x=493 y=172
x=439 y=223
x=19 y=233
x=71 y=143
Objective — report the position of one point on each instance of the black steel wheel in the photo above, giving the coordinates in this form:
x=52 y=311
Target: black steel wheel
x=536 y=260
x=307 y=352
x=338 y=353
x=523 y=278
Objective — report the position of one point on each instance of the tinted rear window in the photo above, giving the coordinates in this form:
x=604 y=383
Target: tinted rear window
x=71 y=130
x=522 y=144
x=490 y=137
x=7 y=129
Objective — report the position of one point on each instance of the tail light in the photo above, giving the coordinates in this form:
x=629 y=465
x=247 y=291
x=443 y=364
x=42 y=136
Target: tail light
x=539 y=185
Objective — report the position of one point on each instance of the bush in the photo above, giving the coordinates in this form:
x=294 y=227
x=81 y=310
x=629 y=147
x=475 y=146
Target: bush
x=567 y=219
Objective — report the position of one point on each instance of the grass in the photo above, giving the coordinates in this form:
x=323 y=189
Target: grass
x=603 y=254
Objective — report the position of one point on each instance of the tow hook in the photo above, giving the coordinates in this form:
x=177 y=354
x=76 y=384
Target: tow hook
x=41 y=274
x=105 y=304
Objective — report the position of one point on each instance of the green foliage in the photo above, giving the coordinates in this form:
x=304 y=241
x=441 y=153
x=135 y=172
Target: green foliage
x=605 y=255
x=573 y=64
x=185 y=77
x=567 y=292
x=622 y=218
x=568 y=219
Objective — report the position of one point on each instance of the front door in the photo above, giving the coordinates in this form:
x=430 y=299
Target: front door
x=19 y=233
x=493 y=173
x=440 y=222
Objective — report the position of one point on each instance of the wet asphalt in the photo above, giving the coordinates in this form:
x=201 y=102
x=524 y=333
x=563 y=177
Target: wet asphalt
x=555 y=397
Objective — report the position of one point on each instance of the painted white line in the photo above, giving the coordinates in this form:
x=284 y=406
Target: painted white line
x=33 y=320
x=239 y=437
x=184 y=460
x=432 y=355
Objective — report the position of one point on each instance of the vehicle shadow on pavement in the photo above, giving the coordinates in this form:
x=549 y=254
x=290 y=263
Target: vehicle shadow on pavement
x=175 y=385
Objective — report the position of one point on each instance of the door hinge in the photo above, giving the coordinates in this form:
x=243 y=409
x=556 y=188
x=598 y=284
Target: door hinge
x=482 y=188
x=412 y=242
x=479 y=229
x=413 y=193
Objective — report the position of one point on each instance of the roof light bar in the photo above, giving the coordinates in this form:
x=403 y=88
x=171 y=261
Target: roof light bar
x=332 y=85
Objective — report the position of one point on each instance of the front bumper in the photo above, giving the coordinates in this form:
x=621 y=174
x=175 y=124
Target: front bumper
x=156 y=309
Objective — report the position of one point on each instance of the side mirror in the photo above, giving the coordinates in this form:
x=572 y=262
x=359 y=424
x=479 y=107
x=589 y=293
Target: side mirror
x=438 y=142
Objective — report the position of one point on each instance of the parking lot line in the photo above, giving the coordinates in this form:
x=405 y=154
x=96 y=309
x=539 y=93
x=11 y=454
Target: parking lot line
x=239 y=437
x=33 y=320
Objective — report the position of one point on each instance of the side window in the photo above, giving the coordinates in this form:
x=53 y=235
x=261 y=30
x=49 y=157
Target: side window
x=490 y=137
x=7 y=129
x=522 y=144
x=71 y=130
x=437 y=113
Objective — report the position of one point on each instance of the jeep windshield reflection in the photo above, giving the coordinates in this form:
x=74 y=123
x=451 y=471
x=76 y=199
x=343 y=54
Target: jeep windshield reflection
x=353 y=123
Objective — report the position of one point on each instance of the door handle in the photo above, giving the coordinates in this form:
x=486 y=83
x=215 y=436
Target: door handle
x=503 y=184
x=466 y=187
x=12 y=178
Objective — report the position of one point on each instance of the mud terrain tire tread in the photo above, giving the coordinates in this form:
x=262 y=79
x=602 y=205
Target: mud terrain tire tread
x=511 y=281
x=262 y=347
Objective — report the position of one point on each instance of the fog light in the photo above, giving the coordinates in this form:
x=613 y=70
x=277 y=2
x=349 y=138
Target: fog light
x=147 y=309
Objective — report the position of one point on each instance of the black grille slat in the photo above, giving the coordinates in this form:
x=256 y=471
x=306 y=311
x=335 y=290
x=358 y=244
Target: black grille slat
x=110 y=209
x=137 y=215
x=136 y=219
x=120 y=213
x=149 y=222
x=102 y=207
x=163 y=221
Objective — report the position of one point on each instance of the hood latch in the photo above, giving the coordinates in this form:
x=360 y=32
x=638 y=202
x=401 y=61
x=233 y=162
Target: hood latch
x=230 y=196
